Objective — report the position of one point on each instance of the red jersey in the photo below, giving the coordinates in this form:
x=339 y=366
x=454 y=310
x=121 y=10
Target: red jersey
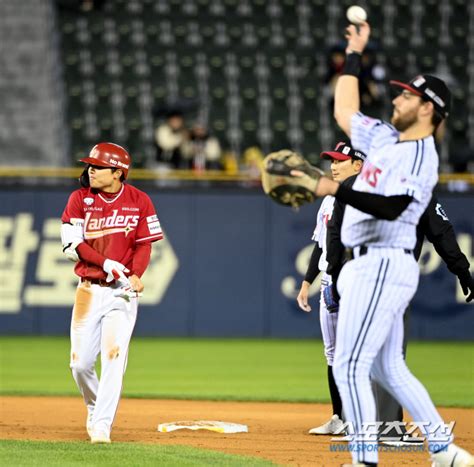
x=113 y=226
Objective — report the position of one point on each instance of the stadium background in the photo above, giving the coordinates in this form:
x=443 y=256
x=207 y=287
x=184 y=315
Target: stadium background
x=256 y=74
x=220 y=290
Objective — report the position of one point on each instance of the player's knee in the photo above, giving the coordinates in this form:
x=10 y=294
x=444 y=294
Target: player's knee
x=339 y=370
x=396 y=373
x=80 y=367
x=377 y=374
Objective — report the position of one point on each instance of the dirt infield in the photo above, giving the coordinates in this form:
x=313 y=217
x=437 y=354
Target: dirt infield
x=277 y=431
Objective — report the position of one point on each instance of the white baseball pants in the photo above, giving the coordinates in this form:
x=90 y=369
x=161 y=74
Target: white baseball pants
x=101 y=323
x=328 y=322
x=375 y=291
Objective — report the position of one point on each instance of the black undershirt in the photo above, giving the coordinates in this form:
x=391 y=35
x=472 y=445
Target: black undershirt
x=381 y=207
x=313 y=269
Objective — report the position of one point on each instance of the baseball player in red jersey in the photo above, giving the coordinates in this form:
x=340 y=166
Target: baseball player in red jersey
x=108 y=227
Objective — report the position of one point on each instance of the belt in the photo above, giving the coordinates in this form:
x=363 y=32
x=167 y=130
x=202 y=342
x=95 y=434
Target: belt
x=363 y=250
x=100 y=282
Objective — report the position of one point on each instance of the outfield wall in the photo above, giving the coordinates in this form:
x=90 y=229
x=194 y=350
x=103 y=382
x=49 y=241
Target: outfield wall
x=231 y=265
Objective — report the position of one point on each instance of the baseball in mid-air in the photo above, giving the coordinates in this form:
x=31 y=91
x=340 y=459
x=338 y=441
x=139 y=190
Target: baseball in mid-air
x=356 y=14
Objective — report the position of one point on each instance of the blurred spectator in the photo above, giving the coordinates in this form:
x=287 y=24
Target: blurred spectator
x=252 y=161
x=371 y=78
x=170 y=138
x=229 y=163
x=335 y=64
x=460 y=157
x=202 y=150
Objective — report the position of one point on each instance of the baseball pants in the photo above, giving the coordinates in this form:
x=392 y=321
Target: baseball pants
x=388 y=408
x=328 y=322
x=375 y=291
x=101 y=323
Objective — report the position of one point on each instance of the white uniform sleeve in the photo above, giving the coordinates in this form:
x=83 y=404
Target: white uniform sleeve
x=410 y=175
x=319 y=234
x=318 y=229
x=72 y=234
x=369 y=133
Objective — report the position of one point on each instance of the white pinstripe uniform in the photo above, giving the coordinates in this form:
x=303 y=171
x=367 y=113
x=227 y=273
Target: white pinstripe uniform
x=328 y=321
x=377 y=287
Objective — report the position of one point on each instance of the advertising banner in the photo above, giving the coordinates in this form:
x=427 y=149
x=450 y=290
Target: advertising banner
x=230 y=265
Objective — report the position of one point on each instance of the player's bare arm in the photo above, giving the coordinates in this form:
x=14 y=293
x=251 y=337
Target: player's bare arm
x=311 y=273
x=346 y=98
x=302 y=297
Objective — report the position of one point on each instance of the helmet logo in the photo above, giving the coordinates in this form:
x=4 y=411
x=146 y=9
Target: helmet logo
x=118 y=163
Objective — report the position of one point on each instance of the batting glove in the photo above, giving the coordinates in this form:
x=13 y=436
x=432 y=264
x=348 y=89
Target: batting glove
x=332 y=304
x=126 y=292
x=115 y=271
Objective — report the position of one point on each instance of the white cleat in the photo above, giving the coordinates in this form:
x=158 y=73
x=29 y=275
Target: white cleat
x=454 y=456
x=333 y=427
x=99 y=437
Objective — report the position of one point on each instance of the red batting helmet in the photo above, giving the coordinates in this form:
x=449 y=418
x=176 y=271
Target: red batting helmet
x=109 y=155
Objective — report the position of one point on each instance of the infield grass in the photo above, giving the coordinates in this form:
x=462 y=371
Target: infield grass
x=41 y=453
x=226 y=369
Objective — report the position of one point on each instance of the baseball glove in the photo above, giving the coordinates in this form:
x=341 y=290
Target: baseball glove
x=285 y=187
x=331 y=301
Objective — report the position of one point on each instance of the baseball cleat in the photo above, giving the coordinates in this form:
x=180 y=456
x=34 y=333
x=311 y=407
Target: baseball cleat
x=99 y=437
x=332 y=427
x=453 y=456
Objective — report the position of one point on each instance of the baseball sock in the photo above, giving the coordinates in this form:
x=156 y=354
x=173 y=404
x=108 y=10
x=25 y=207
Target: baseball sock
x=335 y=397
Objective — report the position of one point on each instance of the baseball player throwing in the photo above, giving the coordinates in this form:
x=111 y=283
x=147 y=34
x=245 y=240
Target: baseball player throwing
x=379 y=231
x=345 y=162
x=108 y=227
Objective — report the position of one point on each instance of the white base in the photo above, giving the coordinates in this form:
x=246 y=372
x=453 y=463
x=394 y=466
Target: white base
x=219 y=427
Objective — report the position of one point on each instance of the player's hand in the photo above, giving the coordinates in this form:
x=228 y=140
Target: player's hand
x=132 y=287
x=357 y=37
x=136 y=283
x=324 y=186
x=115 y=271
x=126 y=292
x=302 y=297
x=467 y=285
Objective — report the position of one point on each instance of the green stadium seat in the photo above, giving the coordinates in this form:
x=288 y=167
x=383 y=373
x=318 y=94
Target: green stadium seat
x=132 y=52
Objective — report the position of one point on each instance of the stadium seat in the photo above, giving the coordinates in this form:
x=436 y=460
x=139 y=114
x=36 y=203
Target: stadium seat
x=265 y=57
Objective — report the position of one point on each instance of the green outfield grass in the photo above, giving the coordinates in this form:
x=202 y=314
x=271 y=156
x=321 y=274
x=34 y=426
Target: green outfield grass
x=226 y=369
x=41 y=453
